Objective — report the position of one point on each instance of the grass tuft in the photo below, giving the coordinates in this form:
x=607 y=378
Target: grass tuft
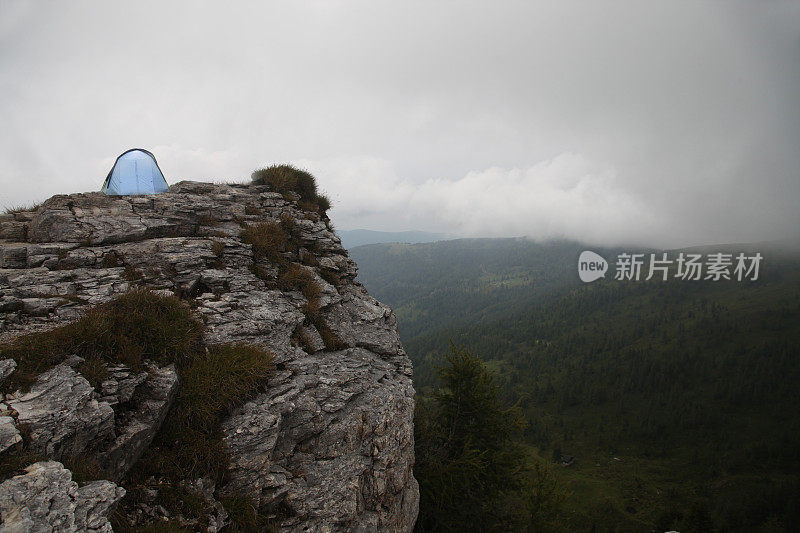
x=190 y=444
x=135 y=326
x=221 y=379
x=245 y=516
x=142 y=325
x=132 y=274
x=288 y=178
x=268 y=239
x=22 y=208
x=94 y=370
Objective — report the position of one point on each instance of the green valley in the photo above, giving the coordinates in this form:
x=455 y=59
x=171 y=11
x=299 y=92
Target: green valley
x=677 y=399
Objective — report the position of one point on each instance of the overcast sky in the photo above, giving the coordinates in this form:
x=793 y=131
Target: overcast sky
x=669 y=123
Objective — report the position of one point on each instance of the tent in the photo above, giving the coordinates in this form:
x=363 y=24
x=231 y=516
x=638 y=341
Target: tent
x=135 y=172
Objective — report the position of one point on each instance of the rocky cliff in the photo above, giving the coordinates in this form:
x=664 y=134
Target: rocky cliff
x=325 y=444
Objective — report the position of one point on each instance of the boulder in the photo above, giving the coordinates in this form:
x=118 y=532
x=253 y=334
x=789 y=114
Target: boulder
x=45 y=498
x=62 y=413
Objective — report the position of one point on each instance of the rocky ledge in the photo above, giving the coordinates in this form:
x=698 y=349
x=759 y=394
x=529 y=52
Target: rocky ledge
x=329 y=441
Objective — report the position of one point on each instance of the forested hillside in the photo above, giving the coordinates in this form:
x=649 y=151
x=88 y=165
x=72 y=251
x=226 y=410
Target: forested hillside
x=464 y=281
x=678 y=399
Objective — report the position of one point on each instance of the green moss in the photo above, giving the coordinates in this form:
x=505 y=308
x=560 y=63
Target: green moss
x=135 y=326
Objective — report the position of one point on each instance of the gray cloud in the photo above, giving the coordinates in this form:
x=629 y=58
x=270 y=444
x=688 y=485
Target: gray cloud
x=664 y=123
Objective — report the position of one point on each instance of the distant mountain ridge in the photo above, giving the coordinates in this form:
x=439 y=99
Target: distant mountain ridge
x=360 y=237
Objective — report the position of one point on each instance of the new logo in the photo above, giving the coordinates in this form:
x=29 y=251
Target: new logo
x=591 y=266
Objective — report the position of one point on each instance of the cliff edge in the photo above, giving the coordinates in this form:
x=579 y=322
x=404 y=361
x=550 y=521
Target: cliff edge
x=326 y=444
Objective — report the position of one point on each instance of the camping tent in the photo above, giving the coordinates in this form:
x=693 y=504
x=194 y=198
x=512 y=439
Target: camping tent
x=135 y=172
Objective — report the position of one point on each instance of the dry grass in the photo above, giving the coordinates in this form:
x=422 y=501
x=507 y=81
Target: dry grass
x=190 y=444
x=142 y=325
x=94 y=370
x=218 y=248
x=287 y=178
x=245 y=516
x=268 y=239
x=110 y=260
x=330 y=276
x=132 y=274
x=22 y=208
x=135 y=326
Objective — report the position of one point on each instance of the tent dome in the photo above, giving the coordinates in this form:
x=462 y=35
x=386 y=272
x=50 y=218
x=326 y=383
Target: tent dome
x=135 y=172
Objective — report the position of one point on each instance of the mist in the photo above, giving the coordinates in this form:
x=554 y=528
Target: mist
x=664 y=124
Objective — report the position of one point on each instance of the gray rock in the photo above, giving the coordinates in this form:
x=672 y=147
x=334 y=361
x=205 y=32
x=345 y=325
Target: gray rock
x=218 y=518
x=45 y=499
x=62 y=414
x=122 y=384
x=93 y=504
x=330 y=439
x=7 y=367
x=152 y=400
x=9 y=434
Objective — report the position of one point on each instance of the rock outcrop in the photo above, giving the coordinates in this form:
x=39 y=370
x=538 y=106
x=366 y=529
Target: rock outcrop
x=46 y=499
x=328 y=445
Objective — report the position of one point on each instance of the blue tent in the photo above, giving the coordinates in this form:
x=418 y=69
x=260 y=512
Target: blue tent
x=135 y=172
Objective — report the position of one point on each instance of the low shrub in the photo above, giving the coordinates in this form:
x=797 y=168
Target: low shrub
x=288 y=178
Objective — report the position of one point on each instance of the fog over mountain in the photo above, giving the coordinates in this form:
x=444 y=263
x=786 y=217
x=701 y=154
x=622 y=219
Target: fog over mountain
x=667 y=124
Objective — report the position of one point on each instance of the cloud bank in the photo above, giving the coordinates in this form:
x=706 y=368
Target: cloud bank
x=669 y=123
